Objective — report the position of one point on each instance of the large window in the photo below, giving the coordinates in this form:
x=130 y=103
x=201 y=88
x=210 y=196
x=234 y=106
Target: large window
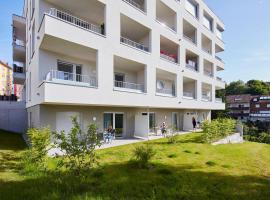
x=69 y=71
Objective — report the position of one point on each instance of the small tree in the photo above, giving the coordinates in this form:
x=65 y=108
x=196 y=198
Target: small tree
x=78 y=147
x=36 y=155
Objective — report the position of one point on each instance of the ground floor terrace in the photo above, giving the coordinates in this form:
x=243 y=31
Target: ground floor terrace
x=128 y=122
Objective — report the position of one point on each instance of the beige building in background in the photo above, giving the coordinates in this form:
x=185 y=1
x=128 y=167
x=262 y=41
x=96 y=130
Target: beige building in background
x=5 y=79
x=132 y=64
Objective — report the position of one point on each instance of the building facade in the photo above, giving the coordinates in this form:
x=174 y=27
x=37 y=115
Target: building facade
x=239 y=106
x=260 y=108
x=132 y=64
x=5 y=79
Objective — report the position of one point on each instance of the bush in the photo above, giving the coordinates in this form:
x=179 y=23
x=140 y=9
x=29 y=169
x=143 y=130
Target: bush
x=78 y=147
x=143 y=154
x=217 y=129
x=36 y=156
x=257 y=132
x=172 y=139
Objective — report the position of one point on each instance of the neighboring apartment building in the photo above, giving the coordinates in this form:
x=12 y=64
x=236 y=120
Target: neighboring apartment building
x=5 y=79
x=131 y=64
x=239 y=106
x=260 y=108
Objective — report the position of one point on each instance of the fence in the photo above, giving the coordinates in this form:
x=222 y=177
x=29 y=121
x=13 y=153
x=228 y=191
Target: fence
x=13 y=116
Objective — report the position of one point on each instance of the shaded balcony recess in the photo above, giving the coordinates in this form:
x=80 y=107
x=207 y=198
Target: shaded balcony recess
x=192 y=61
x=206 y=44
x=67 y=78
x=18 y=69
x=165 y=83
x=167 y=56
x=134 y=44
x=192 y=7
x=139 y=4
x=134 y=34
x=189 y=32
x=208 y=21
x=208 y=68
x=165 y=16
x=128 y=85
x=206 y=92
x=189 y=88
x=168 y=50
x=219 y=32
x=100 y=29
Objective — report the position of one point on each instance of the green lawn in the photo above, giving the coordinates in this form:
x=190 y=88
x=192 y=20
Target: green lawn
x=186 y=170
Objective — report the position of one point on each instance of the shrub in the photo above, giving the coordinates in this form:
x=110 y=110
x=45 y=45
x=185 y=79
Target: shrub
x=143 y=154
x=78 y=147
x=187 y=151
x=36 y=156
x=173 y=155
x=172 y=139
x=217 y=129
x=211 y=163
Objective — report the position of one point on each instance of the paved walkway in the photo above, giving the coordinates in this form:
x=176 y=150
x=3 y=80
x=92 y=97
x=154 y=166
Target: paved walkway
x=118 y=142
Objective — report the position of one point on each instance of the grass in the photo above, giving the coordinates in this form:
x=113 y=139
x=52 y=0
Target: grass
x=241 y=171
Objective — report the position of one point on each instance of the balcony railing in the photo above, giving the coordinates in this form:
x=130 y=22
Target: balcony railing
x=218 y=58
x=192 y=67
x=18 y=69
x=167 y=57
x=206 y=97
x=18 y=42
x=71 y=78
x=207 y=73
x=127 y=85
x=218 y=100
x=208 y=51
x=188 y=95
x=135 y=4
x=76 y=21
x=193 y=41
x=170 y=92
x=134 y=44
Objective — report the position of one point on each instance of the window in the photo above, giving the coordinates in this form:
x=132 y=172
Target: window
x=192 y=8
x=208 y=22
x=69 y=71
x=257 y=105
x=119 y=80
x=268 y=106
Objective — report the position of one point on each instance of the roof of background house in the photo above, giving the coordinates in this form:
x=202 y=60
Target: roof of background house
x=5 y=65
x=242 y=98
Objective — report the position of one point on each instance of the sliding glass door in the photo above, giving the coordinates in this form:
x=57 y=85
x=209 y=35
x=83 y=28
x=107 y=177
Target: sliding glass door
x=116 y=120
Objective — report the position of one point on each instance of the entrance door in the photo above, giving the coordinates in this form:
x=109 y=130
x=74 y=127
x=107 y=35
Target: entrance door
x=116 y=120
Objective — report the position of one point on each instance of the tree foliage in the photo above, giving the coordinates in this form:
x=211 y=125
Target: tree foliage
x=78 y=148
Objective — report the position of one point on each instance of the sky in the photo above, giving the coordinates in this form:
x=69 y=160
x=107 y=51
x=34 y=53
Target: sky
x=247 y=36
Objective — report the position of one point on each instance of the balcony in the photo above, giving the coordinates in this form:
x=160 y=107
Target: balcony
x=208 y=68
x=165 y=83
x=189 y=32
x=192 y=7
x=206 y=92
x=206 y=44
x=189 y=88
x=219 y=100
x=192 y=61
x=219 y=32
x=168 y=50
x=165 y=16
x=18 y=73
x=208 y=21
x=218 y=51
x=134 y=34
x=98 y=29
x=62 y=77
x=138 y=4
x=129 y=76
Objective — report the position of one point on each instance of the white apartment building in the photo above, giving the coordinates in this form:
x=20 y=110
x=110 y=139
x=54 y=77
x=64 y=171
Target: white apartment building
x=132 y=64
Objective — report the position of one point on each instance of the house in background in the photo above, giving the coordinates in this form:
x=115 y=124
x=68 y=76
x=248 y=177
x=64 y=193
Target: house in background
x=131 y=64
x=260 y=108
x=5 y=79
x=239 y=106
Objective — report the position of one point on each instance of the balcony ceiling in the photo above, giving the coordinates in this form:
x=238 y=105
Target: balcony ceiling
x=89 y=10
x=188 y=28
x=66 y=48
x=165 y=75
x=129 y=65
x=188 y=80
x=132 y=29
x=19 y=25
x=168 y=45
x=164 y=12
